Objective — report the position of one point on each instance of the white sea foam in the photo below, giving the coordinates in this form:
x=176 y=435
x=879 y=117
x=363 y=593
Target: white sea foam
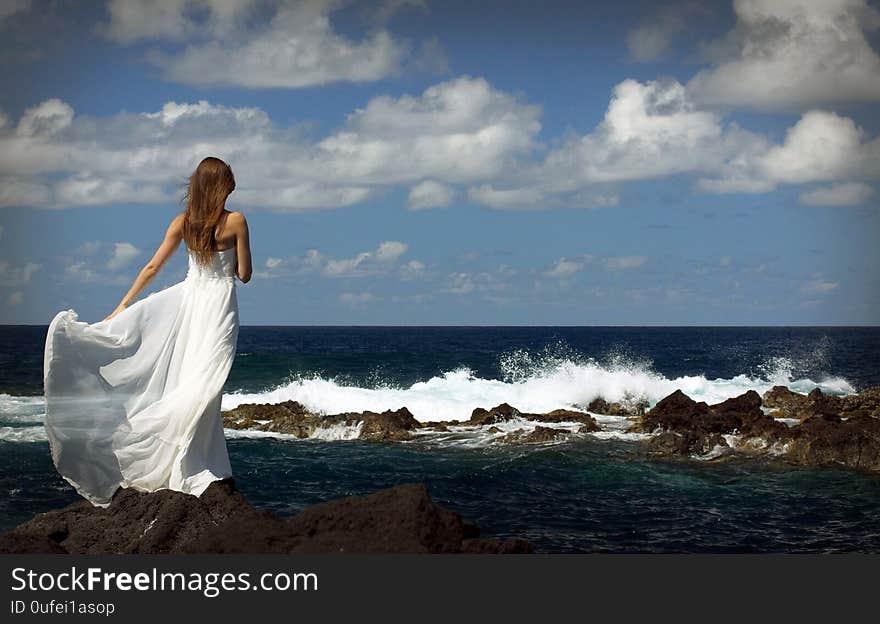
x=530 y=386
x=23 y=434
x=531 y=383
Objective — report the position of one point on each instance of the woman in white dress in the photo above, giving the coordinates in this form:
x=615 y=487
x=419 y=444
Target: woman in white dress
x=134 y=400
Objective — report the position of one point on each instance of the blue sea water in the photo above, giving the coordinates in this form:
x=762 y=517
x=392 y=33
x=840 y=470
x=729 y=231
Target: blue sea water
x=595 y=493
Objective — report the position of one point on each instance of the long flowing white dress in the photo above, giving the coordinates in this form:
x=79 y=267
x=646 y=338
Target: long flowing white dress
x=134 y=401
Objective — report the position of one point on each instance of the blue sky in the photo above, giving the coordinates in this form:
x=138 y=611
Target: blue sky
x=419 y=162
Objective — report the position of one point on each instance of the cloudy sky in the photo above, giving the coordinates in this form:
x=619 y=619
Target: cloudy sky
x=427 y=162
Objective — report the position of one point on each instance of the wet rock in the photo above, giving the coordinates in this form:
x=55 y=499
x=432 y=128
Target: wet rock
x=686 y=443
x=865 y=403
x=505 y=412
x=289 y=417
x=538 y=435
x=387 y=425
x=292 y=418
x=802 y=406
x=675 y=412
x=403 y=518
x=614 y=408
x=499 y=413
x=828 y=440
x=567 y=415
x=784 y=399
x=699 y=426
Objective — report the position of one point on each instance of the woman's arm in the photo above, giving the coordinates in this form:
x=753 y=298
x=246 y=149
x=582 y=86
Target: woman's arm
x=172 y=241
x=244 y=269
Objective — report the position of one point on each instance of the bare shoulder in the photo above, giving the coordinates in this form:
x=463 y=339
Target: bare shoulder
x=237 y=221
x=176 y=223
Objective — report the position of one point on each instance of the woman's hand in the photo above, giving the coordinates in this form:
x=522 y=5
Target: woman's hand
x=118 y=309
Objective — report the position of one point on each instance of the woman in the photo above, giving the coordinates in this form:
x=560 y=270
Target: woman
x=134 y=400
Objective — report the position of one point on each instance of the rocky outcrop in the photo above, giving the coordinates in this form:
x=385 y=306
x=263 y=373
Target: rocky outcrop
x=832 y=441
x=481 y=417
x=538 y=435
x=635 y=407
x=401 y=519
x=695 y=428
x=291 y=417
x=835 y=431
x=790 y=404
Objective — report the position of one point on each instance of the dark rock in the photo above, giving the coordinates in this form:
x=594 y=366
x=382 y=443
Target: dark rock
x=505 y=412
x=499 y=413
x=783 y=398
x=700 y=426
x=828 y=440
x=865 y=403
x=399 y=519
x=685 y=444
x=674 y=412
x=802 y=406
x=567 y=415
x=538 y=435
x=292 y=418
x=389 y=425
x=626 y=408
x=289 y=417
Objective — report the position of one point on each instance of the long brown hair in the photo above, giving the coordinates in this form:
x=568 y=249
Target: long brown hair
x=205 y=197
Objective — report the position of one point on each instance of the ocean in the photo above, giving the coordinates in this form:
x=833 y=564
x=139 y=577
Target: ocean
x=595 y=493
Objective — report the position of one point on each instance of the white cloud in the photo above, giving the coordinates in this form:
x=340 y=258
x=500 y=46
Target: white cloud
x=821 y=146
x=17 y=275
x=122 y=255
x=503 y=199
x=624 y=262
x=564 y=268
x=296 y=47
x=430 y=194
x=412 y=270
x=461 y=130
x=45 y=119
x=650 y=130
x=793 y=54
x=725 y=261
x=366 y=261
x=845 y=194
x=819 y=286
x=460 y=283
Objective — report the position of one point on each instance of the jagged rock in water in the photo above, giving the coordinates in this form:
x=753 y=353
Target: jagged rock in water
x=499 y=413
x=292 y=418
x=614 y=408
x=830 y=441
x=538 y=435
x=505 y=412
x=403 y=518
x=801 y=406
x=699 y=426
x=849 y=438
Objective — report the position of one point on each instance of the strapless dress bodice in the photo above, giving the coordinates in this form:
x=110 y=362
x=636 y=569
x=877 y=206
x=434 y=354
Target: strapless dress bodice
x=221 y=267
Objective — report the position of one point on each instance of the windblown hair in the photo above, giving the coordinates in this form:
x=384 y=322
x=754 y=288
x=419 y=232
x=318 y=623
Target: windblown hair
x=209 y=186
